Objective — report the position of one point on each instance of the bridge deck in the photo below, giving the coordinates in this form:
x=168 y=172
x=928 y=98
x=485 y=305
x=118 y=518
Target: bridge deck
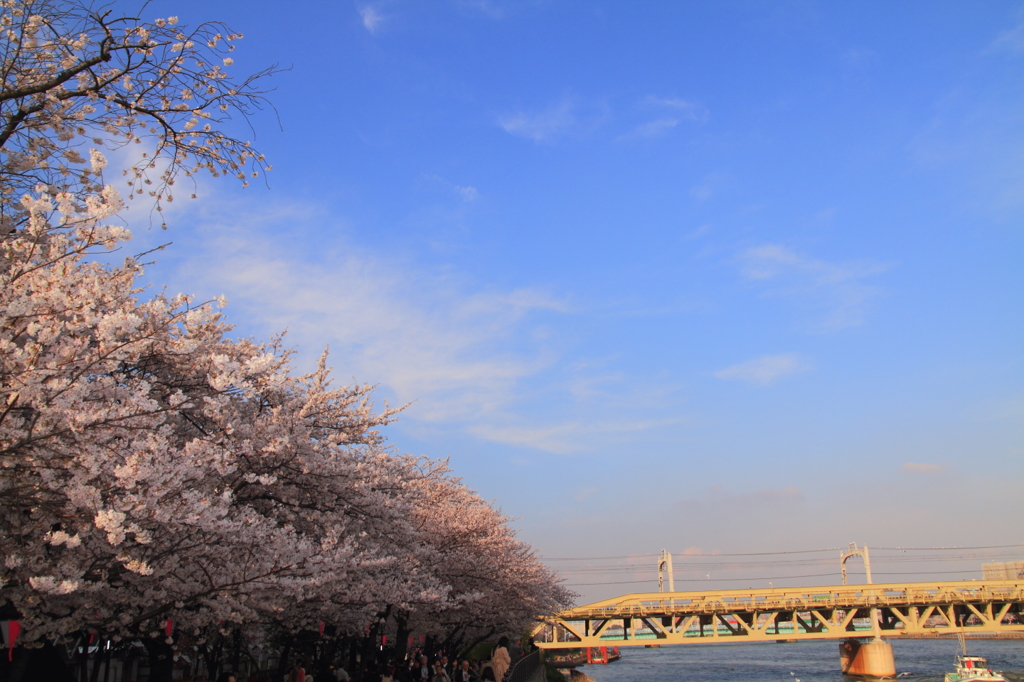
x=830 y=612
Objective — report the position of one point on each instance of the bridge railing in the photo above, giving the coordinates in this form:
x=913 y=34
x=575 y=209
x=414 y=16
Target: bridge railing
x=806 y=613
x=834 y=596
x=529 y=668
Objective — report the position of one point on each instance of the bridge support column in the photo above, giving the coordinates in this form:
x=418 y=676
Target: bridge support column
x=871 y=659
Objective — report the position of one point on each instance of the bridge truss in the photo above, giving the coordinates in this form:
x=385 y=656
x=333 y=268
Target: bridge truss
x=833 y=612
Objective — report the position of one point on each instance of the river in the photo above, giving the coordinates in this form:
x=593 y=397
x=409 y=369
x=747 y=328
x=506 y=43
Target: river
x=926 y=660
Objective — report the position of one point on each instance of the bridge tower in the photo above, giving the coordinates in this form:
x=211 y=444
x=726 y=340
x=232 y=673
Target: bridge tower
x=665 y=568
x=874 y=659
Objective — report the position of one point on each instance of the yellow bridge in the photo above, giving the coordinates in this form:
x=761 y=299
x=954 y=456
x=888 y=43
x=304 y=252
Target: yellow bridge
x=833 y=612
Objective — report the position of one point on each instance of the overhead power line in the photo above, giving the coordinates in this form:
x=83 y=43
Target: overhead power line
x=927 y=549
x=772 y=578
x=685 y=554
x=802 y=551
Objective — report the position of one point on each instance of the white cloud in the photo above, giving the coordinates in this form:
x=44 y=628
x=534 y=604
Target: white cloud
x=494 y=10
x=544 y=125
x=561 y=439
x=651 y=129
x=687 y=110
x=765 y=369
x=921 y=468
x=704 y=189
x=467 y=193
x=838 y=287
x=468 y=360
x=699 y=232
x=423 y=335
x=1011 y=40
x=372 y=18
x=679 y=110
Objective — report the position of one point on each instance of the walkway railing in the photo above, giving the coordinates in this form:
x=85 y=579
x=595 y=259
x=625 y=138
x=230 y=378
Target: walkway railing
x=529 y=668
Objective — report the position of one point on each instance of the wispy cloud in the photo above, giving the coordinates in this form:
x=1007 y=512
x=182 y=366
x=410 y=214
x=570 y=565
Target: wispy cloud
x=372 y=18
x=543 y=125
x=699 y=232
x=490 y=8
x=707 y=187
x=422 y=334
x=765 y=369
x=651 y=129
x=468 y=359
x=838 y=287
x=921 y=468
x=1011 y=40
x=686 y=110
x=673 y=111
x=467 y=193
x=561 y=439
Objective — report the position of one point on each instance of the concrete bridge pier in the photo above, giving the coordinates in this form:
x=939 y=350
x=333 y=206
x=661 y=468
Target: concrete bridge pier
x=871 y=659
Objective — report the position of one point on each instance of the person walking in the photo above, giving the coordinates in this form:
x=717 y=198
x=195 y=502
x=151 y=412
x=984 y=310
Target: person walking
x=500 y=660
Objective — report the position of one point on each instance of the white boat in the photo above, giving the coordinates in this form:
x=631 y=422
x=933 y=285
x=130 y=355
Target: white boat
x=972 y=668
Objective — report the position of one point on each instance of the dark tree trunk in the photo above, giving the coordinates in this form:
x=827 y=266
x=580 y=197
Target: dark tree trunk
x=369 y=662
x=446 y=645
x=479 y=639
x=236 y=653
x=353 y=652
x=211 y=651
x=282 y=664
x=161 y=660
x=328 y=651
x=401 y=636
x=430 y=646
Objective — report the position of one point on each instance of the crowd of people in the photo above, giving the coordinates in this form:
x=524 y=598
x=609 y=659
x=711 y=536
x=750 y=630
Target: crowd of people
x=419 y=667
x=416 y=666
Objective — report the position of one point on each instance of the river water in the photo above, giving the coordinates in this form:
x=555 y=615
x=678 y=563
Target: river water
x=926 y=660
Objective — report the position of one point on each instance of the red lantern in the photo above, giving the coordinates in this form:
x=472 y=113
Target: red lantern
x=321 y=628
x=10 y=629
x=169 y=627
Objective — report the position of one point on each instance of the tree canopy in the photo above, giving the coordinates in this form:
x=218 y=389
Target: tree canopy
x=153 y=468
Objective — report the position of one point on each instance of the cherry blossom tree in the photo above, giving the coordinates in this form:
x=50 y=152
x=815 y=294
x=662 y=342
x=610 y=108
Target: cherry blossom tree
x=160 y=479
x=77 y=79
x=153 y=469
x=156 y=472
x=496 y=583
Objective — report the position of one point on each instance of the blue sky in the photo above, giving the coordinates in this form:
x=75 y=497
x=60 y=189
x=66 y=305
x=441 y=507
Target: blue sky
x=725 y=276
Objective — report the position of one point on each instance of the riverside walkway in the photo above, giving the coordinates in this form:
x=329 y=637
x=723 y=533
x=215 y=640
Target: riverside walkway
x=796 y=613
